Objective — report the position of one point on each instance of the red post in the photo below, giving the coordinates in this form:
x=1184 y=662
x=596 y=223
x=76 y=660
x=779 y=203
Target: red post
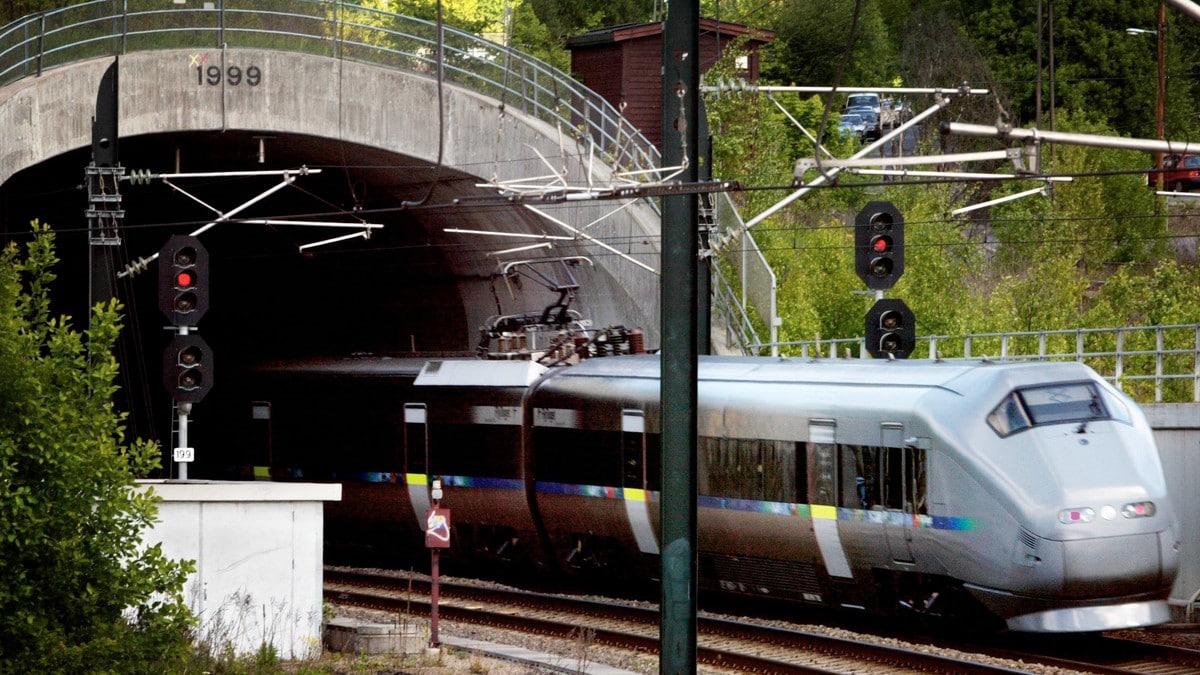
x=437 y=537
x=434 y=643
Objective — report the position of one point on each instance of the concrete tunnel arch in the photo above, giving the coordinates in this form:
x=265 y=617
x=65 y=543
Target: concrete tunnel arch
x=311 y=106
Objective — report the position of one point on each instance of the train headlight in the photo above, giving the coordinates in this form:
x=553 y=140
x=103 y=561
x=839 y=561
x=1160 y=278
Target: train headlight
x=1077 y=515
x=1138 y=510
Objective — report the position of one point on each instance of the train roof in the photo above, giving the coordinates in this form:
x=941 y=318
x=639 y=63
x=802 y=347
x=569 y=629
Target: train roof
x=350 y=366
x=960 y=376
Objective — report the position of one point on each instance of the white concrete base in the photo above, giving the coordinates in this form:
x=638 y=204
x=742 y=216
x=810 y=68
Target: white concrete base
x=352 y=636
x=259 y=559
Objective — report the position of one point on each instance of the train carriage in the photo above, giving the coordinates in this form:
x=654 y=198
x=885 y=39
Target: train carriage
x=466 y=429
x=898 y=484
x=1031 y=491
x=337 y=420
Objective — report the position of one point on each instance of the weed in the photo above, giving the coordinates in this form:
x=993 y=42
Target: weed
x=584 y=639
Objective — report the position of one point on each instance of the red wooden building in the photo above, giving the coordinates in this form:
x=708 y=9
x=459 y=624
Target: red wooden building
x=624 y=64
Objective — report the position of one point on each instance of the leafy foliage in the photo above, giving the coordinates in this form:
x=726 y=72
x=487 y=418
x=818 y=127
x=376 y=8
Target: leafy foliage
x=564 y=19
x=811 y=40
x=78 y=592
x=1091 y=252
x=15 y=9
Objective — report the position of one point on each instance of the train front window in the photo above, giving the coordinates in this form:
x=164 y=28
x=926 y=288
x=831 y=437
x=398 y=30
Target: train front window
x=1053 y=404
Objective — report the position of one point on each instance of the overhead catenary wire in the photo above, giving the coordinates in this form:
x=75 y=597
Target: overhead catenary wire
x=441 y=109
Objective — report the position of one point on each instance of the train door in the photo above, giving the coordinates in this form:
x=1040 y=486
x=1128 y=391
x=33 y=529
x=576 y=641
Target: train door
x=634 y=483
x=898 y=525
x=416 y=460
x=903 y=495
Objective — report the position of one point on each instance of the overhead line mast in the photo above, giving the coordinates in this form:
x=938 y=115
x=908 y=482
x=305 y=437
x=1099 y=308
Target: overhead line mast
x=680 y=329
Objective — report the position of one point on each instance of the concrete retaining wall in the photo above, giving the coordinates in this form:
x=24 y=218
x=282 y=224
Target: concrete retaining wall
x=1177 y=433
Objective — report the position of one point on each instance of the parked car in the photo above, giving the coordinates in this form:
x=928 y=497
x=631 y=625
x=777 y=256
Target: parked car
x=1180 y=173
x=871 y=123
x=872 y=127
x=862 y=100
x=852 y=123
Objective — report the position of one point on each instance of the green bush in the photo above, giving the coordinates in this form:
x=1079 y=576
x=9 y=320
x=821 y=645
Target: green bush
x=78 y=590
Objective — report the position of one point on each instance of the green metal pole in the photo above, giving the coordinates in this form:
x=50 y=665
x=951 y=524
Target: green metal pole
x=708 y=201
x=681 y=84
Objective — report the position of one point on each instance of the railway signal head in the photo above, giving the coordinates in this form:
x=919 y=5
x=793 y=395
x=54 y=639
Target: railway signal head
x=188 y=368
x=183 y=280
x=890 y=329
x=879 y=245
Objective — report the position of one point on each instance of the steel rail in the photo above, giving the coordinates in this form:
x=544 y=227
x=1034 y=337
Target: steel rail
x=735 y=634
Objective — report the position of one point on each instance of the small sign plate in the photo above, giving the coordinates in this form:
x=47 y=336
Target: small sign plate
x=185 y=454
x=437 y=528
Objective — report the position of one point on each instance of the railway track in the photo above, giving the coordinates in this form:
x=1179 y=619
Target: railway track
x=1108 y=655
x=734 y=644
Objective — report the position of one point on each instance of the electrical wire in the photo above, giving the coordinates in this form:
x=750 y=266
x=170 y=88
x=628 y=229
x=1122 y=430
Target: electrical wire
x=837 y=80
x=441 y=107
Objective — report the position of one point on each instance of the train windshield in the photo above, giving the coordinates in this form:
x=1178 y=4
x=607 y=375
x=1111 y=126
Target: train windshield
x=1052 y=404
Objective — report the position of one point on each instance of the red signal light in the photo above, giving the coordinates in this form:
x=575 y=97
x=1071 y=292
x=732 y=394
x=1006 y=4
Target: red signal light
x=183 y=280
x=879 y=245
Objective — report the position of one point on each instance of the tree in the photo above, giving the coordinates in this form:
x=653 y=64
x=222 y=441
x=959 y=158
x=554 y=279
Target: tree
x=564 y=19
x=78 y=590
x=811 y=40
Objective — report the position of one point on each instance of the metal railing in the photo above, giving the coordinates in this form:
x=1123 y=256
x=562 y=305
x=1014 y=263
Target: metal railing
x=337 y=28
x=739 y=327
x=753 y=274
x=1153 y=364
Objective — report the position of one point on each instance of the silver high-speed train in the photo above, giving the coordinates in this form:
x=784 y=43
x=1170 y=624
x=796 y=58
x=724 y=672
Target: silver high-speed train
x=1028 y=493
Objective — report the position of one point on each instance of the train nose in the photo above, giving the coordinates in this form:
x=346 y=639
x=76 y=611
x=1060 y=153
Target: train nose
x=1113 y=525
x=1119 y=565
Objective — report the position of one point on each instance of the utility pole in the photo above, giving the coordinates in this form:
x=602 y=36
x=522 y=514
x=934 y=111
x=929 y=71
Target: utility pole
x=680 y=360
x=1160 y=105
x=1161 y=127
x=103 y=179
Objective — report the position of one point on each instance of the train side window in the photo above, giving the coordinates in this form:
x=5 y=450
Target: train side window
x=822 y=473
x=904 y=481
x=872 y=477
x=731 y=467
x=918 y=482
x=822 y=462
x=1009 y=417
x=800 y=486
x=778 y=461
x=653 y=461
x=892 y=479
x=633 y=449
x=577 y=456
x=860 y=476
x=416 y=439
x=260 y=435
x=476 y=450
